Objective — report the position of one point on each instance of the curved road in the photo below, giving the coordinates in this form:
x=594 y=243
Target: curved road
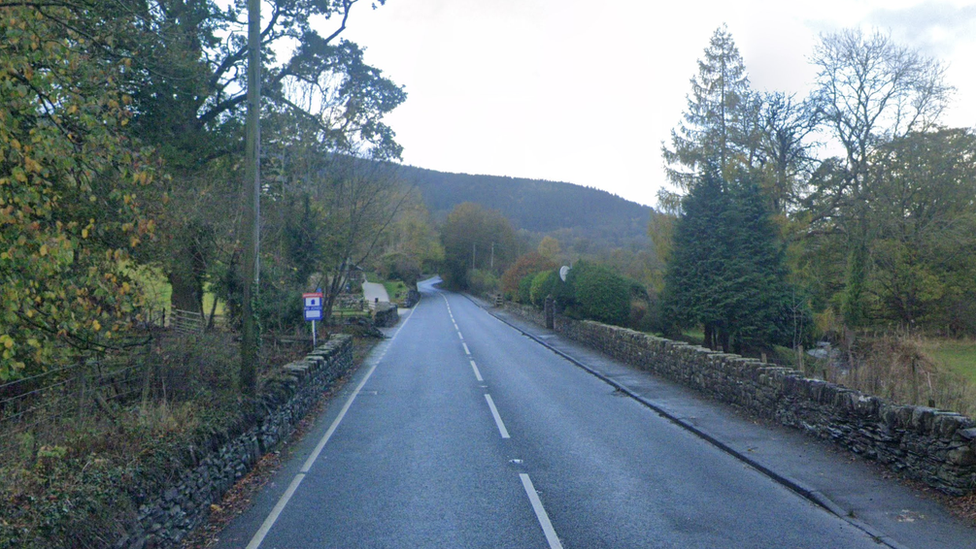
x=460 y=432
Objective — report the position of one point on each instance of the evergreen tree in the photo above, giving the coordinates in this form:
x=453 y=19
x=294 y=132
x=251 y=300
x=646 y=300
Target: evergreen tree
x=726 y=271
x=720 y=123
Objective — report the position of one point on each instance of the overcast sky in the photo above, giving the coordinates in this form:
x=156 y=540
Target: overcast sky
x=585 y=92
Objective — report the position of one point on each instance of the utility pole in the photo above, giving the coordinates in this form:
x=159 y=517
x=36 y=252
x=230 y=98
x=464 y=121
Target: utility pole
x=252 y=192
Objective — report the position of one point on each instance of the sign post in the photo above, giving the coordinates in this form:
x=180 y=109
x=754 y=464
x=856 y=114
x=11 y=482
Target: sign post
x=313 y=310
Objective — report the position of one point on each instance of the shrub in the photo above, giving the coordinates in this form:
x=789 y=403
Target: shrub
x=599 y=293
x=543 y=284
x=482 y=282
x=526 y=265
x=524 y=295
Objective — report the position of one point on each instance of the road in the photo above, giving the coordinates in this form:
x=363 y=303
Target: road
x=460 y=432
x=374 y=292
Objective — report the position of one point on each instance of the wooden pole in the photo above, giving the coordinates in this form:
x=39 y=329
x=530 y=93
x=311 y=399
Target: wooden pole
x=252 y=191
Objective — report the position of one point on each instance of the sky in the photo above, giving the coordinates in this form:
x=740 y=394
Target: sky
x=586 y=92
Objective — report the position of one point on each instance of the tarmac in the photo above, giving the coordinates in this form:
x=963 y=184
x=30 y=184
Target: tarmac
x=860 y=491
x=374 y=292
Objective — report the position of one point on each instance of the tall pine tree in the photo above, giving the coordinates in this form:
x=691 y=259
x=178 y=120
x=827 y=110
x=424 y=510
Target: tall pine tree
x=726 y=273
x=720 y=122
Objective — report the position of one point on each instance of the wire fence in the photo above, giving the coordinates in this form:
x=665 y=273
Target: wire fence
x=37 y=410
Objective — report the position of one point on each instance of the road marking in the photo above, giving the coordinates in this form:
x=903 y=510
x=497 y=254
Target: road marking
x=540 y=512
x=477 y=374
x=466 y=350
x=498 y=418
x=461 y=337
x=300 y=476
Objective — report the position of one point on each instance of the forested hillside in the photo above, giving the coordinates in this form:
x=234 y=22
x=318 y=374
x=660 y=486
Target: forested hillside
x=548 y=207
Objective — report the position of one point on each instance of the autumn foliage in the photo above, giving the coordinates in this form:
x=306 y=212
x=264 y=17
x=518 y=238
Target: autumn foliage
x=70 y=193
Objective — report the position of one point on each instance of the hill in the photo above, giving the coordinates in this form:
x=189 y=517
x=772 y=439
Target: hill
x=570 y=212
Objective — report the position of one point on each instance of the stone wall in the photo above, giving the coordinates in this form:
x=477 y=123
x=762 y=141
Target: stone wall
x=934 y=446
x=385 y=315
x=213 y=467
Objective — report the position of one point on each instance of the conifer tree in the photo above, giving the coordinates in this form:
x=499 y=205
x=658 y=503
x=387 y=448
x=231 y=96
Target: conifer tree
x=719 y=124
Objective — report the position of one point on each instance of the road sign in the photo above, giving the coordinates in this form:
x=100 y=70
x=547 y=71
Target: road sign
x=313 y=306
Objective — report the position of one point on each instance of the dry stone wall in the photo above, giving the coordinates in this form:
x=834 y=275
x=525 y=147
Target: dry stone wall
x=935 y=446
x=165 y=519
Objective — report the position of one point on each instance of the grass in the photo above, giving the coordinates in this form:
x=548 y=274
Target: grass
x=958 y=355
x=396 y=289
x=158 y=291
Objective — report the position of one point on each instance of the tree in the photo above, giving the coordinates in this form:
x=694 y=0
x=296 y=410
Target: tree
x=869 y=92
x=785 y=154
x=476 y=238
x=924 y=217
x=335 y=213
x=528 y=264
x=696 y=262
x=412 y=246
x=71 y=192
x=549 y=248
x=189 y=90
x=727 y=272
x=719 y=123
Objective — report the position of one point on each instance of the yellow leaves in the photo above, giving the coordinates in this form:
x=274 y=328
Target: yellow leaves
x=31 y=165
x=7 y=341
x=96 y=325
x=43 y=251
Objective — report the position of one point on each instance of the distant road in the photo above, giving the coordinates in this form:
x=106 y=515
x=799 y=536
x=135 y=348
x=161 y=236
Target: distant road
x=460 y=433
x=373 y=292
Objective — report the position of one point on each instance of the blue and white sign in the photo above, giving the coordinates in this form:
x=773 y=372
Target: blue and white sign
x=313 y=306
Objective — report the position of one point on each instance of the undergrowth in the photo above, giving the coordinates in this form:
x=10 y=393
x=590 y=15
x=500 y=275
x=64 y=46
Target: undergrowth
x=78 y=482
x=901 y=368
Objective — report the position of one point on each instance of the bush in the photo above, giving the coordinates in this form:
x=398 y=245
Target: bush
x=543 y=284
x=482 y=282
x=524 y=295
x=599 y=294
x=526 y=265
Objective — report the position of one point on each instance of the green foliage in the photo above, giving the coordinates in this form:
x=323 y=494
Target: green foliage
x=543 y=284
x=727 y=271
x=71 y=193
x=524 y=295
x=525 y=265
x=717 y=126
x=482 y=282
x=475 y=239
x=597 y=293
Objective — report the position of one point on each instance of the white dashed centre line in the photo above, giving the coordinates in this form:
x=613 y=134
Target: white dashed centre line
x=498 y=419
x=540 y=512
x=477 y=373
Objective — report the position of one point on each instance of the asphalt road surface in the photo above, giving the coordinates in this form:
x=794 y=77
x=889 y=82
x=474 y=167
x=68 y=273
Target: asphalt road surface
x=459 y=432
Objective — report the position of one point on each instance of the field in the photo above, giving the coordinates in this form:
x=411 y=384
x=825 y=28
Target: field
x=958 y=355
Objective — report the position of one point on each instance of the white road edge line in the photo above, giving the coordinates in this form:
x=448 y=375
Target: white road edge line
x=300 y=476
x=540 y=512
x=477 y=373
x=466 y=350
x=498 y=419
x=461 y=337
